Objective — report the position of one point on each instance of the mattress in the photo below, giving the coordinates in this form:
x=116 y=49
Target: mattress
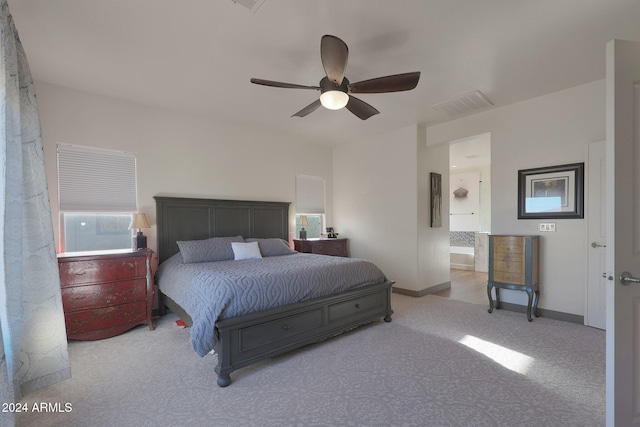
x=209 y=291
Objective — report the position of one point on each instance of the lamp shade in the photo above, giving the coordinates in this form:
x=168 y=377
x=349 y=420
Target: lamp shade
x=302 y=221
x=334 y=99
x=139 y=220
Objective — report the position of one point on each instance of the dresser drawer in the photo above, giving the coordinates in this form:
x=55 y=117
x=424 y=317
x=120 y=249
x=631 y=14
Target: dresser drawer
x=304 y=246
x=338 y=248
x=104 y=318
x=509 y=252
x=103 y=270
x=510 y=241
x=511 y=265
x=333 y=247
x=103 y=294
x=300 y=324
x=508 y=277
x=357 y=306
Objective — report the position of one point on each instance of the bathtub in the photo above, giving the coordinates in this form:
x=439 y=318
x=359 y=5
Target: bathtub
x=462 y=257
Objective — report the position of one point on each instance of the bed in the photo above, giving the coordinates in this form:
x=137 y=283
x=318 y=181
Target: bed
x=243 y=339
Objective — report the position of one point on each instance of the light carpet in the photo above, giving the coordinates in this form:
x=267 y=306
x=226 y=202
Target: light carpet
x=439 y=363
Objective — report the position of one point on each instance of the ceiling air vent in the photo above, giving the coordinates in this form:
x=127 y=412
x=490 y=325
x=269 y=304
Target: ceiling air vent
x=252 y=5
x=464 y=103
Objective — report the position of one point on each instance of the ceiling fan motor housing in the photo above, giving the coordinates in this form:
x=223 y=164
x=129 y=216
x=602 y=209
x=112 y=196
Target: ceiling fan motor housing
x=327 y=85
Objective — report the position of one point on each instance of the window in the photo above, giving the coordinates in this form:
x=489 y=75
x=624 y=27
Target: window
x=314 y=227
x=96 y=232
x=97 y=193
x=310 y=203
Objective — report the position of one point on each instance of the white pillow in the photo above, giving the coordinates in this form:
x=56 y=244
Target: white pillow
x=245 y=250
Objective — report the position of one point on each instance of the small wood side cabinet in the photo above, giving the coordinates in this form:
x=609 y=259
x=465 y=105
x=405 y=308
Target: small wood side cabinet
x=513 y=264
x=105 y=293
x=334 y=247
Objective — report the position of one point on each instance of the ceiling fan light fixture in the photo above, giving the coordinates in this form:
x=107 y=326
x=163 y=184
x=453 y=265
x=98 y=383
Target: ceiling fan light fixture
x=334 y=99
x=335 y=87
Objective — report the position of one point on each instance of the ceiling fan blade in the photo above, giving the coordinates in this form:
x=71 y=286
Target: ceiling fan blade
x=394 y=83
x=308 y=109
x=361 y=108
x=334 y=54
x=281 y=84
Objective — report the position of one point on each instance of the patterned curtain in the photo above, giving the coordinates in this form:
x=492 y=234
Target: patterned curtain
x=33 y=344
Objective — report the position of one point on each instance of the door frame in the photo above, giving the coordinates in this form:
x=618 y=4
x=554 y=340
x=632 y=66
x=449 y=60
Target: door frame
x=595 y=292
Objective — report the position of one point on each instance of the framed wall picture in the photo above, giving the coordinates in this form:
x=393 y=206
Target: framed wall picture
x=551 y=192
x=436 y=199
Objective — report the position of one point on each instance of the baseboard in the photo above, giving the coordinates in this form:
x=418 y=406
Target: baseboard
x=549 y=314
x=462 y=266
x=422 y=292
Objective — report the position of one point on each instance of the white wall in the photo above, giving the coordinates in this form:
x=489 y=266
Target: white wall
x=550 y=130
x=179 y=155
x=381 y=203
x=485 y=198
x=433 y=242
x=375 y=201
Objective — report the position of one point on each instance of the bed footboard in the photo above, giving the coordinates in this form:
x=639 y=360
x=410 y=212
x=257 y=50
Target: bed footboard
x=247 y=339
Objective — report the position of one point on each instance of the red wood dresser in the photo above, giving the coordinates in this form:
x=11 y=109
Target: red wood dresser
x=105 y=293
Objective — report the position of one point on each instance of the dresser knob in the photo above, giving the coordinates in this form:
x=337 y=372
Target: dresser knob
x=285 y=327
x=357 y=305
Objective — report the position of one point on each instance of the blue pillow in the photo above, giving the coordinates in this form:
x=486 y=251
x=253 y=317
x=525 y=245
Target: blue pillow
x=208 y=250
x=273 y=247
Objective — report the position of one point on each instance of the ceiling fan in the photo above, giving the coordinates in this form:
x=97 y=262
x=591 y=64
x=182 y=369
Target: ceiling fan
x=336 y=89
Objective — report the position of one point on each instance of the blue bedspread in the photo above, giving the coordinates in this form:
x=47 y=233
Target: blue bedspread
x=209 y=291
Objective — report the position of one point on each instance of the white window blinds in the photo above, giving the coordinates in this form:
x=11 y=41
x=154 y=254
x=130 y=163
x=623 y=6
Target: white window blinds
x=94 y=180
x=309 y=194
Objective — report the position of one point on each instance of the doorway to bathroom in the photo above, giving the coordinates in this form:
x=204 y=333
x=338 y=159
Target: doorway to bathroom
x=470 y=217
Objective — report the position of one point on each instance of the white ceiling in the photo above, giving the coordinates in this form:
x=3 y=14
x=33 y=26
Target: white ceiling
x=197 y=56
x=473 y=152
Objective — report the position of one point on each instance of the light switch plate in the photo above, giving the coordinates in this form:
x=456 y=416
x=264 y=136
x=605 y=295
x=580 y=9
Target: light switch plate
x=548 y=227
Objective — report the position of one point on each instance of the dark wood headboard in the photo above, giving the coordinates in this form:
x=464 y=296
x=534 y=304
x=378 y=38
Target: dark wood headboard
x=194 y=219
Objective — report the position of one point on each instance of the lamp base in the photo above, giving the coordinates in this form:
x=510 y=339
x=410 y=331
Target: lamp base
x=140 y=241
x=303 y=234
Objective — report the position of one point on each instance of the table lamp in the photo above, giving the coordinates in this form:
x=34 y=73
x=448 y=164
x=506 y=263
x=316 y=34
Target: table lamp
x=302 y=221
x=139 y=221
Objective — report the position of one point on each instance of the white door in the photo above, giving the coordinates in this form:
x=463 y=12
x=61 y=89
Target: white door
x=595 y=301
x=623 y=232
